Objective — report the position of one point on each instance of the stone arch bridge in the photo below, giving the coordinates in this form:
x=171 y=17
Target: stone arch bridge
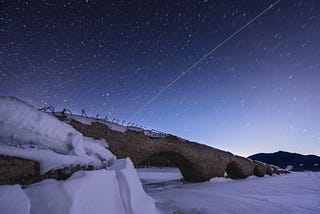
x=197 y=162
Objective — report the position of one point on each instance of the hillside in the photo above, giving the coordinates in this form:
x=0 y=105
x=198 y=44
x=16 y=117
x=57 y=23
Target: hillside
x=285 y=160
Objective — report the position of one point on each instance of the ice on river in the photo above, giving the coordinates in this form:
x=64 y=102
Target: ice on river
x=298 y=192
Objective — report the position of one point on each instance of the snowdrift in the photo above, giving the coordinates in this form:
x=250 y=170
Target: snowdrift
x=96 y=192
x=28 y=133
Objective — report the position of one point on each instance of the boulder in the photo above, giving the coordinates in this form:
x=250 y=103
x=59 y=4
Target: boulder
x=239 y=167
x=268 y=169
x=14 y=170
x=275 y=170
x=259 y=169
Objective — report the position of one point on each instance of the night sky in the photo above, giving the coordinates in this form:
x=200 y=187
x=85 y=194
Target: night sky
x=259 y=92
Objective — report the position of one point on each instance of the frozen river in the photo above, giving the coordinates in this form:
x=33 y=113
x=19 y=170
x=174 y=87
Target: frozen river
x=298 y=192
x=159 y=179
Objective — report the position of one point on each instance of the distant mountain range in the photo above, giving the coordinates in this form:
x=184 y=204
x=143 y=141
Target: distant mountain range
x=289 y=161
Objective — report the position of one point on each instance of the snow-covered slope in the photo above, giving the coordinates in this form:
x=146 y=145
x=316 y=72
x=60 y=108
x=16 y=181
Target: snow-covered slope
x=28 y=133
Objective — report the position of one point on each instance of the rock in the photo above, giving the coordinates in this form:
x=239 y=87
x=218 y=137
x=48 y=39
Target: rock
x=268 y=169
x=277 y=170
x=65 y=173
x=14 y=170
x=239 y=167
x=259 y=168
x=283 y=171
x=274 y=170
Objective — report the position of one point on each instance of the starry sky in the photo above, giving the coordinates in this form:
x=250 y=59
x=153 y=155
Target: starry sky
x=258 y=92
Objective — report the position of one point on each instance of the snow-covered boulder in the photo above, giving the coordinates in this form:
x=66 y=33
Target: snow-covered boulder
x=22 y=124
x=28 y=133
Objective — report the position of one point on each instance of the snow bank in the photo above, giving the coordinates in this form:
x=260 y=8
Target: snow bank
x=136 y=201
x=134 y=128
x=116 y=190
x=116 y=127
x=47 y=158
x=289 y=168
x=151 y=133
x=13 y=200
x=21 y=123
x=28 y=133
x=220 y=180
x=85 y=192
x=90 y=120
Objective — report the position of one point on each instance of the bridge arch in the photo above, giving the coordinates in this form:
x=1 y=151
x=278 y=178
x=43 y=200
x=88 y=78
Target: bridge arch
x=233 y=170
x=187 y=168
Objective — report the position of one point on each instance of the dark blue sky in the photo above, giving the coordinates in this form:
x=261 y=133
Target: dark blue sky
x=257 y=93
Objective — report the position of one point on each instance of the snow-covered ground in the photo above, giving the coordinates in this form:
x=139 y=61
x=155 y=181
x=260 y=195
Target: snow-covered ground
x=28 y=133
x=115 y=187
x=298 y=192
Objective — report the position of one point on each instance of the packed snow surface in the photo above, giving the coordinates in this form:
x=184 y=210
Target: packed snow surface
x=298 y=192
